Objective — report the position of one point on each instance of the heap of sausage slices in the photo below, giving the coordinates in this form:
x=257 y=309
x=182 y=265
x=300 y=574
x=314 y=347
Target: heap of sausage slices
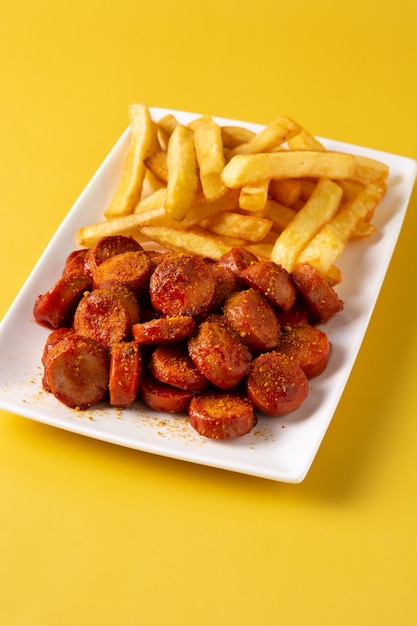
x=221 y=340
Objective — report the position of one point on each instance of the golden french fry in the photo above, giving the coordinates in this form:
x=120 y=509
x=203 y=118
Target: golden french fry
x=254 y=197
x=233 y=136
x=319 y=209
x=352 y=213
x=155 y=200
x=201 y=209
x=304 y=141
x=261 y=250
x=280 y=215
x=363 y=229
x=247 y=169
x=182 y=173
x=274 y=134
x=125 y=225
x=286 y=191
x=186 y=241
x=168 y=123
x=129 y=190
x=323 y=250
x=242 y=226
x=157 y=164
x=367 y=170
x=209 y=149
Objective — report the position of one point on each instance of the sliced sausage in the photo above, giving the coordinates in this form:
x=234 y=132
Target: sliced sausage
x=173 y=365
x=128 y=269
x=182 y=284
x=108 y=247
x=276 y=384
x=226 y=283
x=320 y=297
x=162 y=397
x=219 y=353
x=75 y=261
x=296 y=316
x=272 y=281
x=164 y=330
x=308 y=346
x=254 y=319
x=221 y=414
x=125 y=373
x=56 y=307
x=56 y=335
x=237 y=259
x=77 y=371
x=103 y=317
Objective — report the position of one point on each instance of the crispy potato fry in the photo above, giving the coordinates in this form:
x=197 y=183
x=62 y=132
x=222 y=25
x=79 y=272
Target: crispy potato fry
x=286 y=191
x=280 y=215
x=323 y=250
x=168 y=124
x=247 y=169
x=233 y=136
x=210 y=156
x=318 y=210
x=274 y=134
x=157 y=164
x=363 y=229
x=201 y=209
x=125 y=225
x=304 y=141
x=242 y=226
x=129 y=190
x=261 y=250
x=367 y=170
x=183 y=176
x=186 y=241
x=155 y=200
x=254 y=197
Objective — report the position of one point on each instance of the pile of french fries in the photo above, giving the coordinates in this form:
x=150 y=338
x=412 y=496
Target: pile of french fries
x=203 y=188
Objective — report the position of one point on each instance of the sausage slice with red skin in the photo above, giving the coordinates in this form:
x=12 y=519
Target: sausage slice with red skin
x=108 y=247
x=219 y=353
x=56 y=307
x=162 y=397
x=77 y=371
x=272 y=281
x=128 y=269
x=320 y=298
x=53 y=338
x=164 y=330
x=221 y=414
x=75 y=261
x=226 y=283
x=125 y=373
x=237 y=259
x=182 y=284
x=103 y=317
x=254 y=320
x=308 y=346
x=275 y=384
x=173 y=365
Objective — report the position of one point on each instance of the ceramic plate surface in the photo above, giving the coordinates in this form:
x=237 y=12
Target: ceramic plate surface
x=279 y=449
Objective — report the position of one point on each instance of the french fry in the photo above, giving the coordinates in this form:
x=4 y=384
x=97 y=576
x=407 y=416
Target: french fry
x=125 y=225
x=129 y=190
x=286 y=191
x=274 y=134
x=168 y=123
x=318 y=210
x=210 y=156
x=242 y=226
x=304 y=141
x=254 y=197
x=155 y=200
x=186 y=241
x=280 y=215
x=367 y=170
x=323 y=250
x=247 y=169
x=233 y=136
x=157 y=164
x=201 y=209
x=182 y=173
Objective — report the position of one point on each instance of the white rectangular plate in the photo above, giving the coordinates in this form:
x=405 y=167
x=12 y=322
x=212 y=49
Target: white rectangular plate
x=278 y=448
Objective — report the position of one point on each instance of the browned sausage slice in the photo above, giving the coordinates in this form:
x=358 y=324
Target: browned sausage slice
x=56 y=307
x=108 y=247
x=75 y=261
x=320 y=297
x=237 y=259
x=162 y=397
x=125 y=373
x=272 y=281
x=164 y=330
x=103 y=317
x=128 y=269
x=308 y=346
x=173 y=365
x=276 y=384
x=219 y=353
x=182 y=284
x=221 y=414
x=77 y=371
x=254 y=319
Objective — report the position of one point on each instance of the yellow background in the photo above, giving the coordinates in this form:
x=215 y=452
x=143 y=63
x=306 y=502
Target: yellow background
x=91 y=533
